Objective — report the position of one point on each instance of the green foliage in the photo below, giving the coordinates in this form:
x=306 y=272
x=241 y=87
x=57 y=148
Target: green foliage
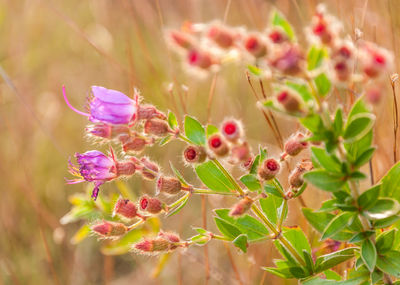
x=325 y=180
x=368 y=254
x=251 y=182
x=277 y=20
x=241 y=242
x=391 y=183
x=194 y=131
x=213 y=177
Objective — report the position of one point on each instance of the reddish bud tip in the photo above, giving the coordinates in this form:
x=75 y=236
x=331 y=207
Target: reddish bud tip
x=181 y=39
x=156 y=127
x=109 y=229
x=269 y=169
x=169 y=185
x=241 y=207
x=199 y=59
x=289 y=101
x=295 y=144
x=218 y=145
x=125 y=208
x=194 y=154
x=277 y=36
x=296 y=176
x=255 y=46
x=221 y=36
x=151 y=205
x=133 y=143
x=231 y=129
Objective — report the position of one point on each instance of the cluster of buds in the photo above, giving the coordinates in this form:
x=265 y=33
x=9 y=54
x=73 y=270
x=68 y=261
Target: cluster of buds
x=207 y=46
x=164 y=242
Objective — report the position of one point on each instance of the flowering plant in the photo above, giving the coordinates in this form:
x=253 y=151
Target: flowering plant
x=358 y=223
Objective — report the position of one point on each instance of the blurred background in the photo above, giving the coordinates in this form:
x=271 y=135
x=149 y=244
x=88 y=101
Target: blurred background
x=119 y=44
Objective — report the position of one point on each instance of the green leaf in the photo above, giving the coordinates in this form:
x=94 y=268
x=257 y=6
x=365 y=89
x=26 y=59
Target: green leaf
x=165 y=140
x=338 y=122
x=364 y=157
x=178 y=175
x=325 y=180
x=330 y=260
x=271 y=188
x=280 y=272
x=296 y=237
x=323 y=84
x=270 y=206
x=338 y=223
x=313 y=123
x=241 y=242
x=309 y=261
x=361 y=236
x=254 y=70
x=384 y=223
x=301 y=89
x=213 y=177
x=391 y=183
x=248 y=225
x=194 y=131
x=385 y=240
x=328 y=161
x=390 y=263
x=251 y=182
x=318 y=281
x=227 y=229
x=200 y=239
x=368 y=254
x=382 y=209
x=332 y=275
x=179 y=207
x=172 y=121
x=369 y=197
x=277 y=20
x=358 y=127
x=211 y=129
x=315 y=57
x=359 y=107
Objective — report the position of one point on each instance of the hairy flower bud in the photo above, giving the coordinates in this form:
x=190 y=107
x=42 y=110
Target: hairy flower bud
x=125 y=208
x=296 y=176
x=221 y=36
x=295 y=144
x=109 y=229
x=152 y=246
x=288 y=100
x=268 y=169
x=169 y=185
x=147 y=111
x=194 y=154
x=133 y=143
x=149 y=169
x=241 y=153
x=181 y=39
x=199 y=58
x=218 y=145
x=151 y=205
x=231 y=129
x=156 y=127
x=277 y=35
x=255 y=45
x=374 y=61
x=125 y=168
x=171 y=237
x=241 y=207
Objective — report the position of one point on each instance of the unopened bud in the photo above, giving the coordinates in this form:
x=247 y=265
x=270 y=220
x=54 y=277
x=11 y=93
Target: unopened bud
x=374 y=60
x=221 y=36
x=194 y=154
x=295 y=144
x=171 y=237
x=277 y=36
x=125 y=168
x=296 y=176
x=231 y=129
x=106 y=131
x=321 y=30
x=255 y=45
x=151 y=205
x=373 y=95
x=218 y=145
x=149 y=169
x=133 y=143
x=125 y=208
x=289 y=101
x=241 y=153
x=181 y=39
x=156 y=127
x=169 y=185
x=199 y=59
x=268 y=169
x=109 y=229
x=152 y=246
x=147 y=111
x=241 y=207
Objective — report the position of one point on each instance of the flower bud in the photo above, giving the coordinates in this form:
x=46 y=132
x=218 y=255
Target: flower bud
x=125 y=208
x=321 y=29
x=374 y=60
x=133 y=143
x=199 y=58
x=295 y=145
x=218 y=145
x=221 y=36
x=156 y=127
x=287 y=59
x=149 y=169
x=181 y=39
x=374 y=95
x=171 y=237
x=296 y=176
x=231 y=129
x=194 y=154
x=99 y=130
x=241 y=207
x=125 y=168
x=241 y=153
x=289 y=101
x=109 y=229
x=268 y=169
x=152 y=246
x=147 y=111
x=255 y=45
x=169 y=185
x=151 y=205
x=277 y=35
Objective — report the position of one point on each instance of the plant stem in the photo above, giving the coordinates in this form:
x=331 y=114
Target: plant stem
x=177 y=202
x=227 y=174
x=211 y=192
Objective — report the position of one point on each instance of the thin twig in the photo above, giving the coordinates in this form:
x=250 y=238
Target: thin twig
x=206 y=257
x=228 y=251
x=395 y=117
